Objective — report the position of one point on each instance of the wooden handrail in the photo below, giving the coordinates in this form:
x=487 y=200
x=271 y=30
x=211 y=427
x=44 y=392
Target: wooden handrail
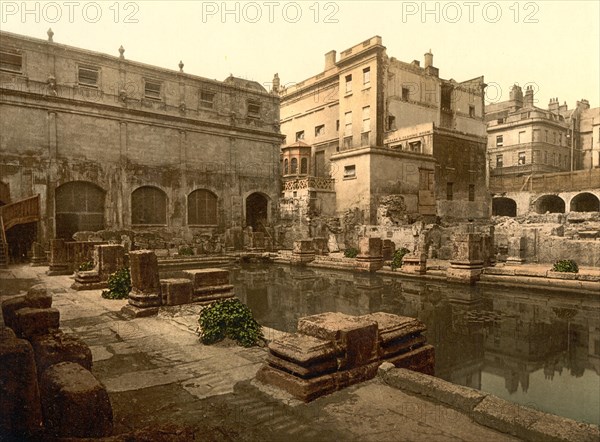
x=20 y=212
x=2 y=227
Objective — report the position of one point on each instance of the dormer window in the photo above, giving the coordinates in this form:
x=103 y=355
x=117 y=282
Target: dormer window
x=152 y=89
x=11 y=61
x=88 y=76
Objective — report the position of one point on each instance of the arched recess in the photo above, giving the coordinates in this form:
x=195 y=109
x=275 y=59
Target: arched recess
x=585 y=202
x=257 y=209
x=504 y=207
x=148 y=206
x=202 y=208
x=78 y=206
x=549 y=203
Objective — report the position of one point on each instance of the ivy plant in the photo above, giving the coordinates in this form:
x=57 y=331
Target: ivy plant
x=565 y=265
x=119 y=285
x=85 y=266
x=186 y=251
x=397 y=258
x=232 y=319
x=351 y=252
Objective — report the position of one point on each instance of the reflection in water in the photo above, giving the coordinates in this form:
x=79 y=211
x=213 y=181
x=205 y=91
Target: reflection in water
x=542 y=351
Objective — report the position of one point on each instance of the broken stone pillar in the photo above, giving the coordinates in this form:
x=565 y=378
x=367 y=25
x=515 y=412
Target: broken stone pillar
x=332 y=351
x=320 y=246
x=108 y=258
x=388 y=250
x=234 y=239
x=414 y=263
x=332 y=243
x=29 y=322
x=258 y=241
x=74 y=402
x=176 y=291
x=58 y=347
x=516 y=250
x=466 y=264
x=38 y=255
x=370 y=255
x=303 y=252
x=145 y=284
x=59 y=264
x=36 y=297
x=20 y=410
x=209 y=284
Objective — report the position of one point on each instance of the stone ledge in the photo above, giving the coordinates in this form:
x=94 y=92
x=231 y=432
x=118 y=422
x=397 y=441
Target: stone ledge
x=491 y=411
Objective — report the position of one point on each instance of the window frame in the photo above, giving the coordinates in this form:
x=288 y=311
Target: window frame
x=154 y=94
x=215 y=200
x=11 y=53
x=89 y=68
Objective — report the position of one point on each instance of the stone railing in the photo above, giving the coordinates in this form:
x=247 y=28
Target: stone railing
x=549 y=182
x=316 y=183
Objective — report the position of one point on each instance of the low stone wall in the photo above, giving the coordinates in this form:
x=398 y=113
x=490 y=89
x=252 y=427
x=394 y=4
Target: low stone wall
x=46 y=387
x=486 y=409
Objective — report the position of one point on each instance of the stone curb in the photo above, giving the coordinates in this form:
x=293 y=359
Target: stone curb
x=489 y=410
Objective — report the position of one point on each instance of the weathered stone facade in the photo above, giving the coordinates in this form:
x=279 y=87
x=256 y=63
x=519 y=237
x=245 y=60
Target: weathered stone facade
x=381 y=127
x=109 y=143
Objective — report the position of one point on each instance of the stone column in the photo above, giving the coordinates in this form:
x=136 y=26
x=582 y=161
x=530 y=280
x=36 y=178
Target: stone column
x=370 y=254
x=108 y=258
x=59 y=264
x=389 y=248
x=467 y=263
x=516 y=250
x=303 y=252
x=38 y=255
x=145 y=283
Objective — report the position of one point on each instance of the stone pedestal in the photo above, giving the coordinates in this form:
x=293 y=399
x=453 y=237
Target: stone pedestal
x=414 y=263
x=370 y=255
x=59 y=264
x=38 y=255
x=209 y=284
x=332 y=351
x=108 y=258
x=516 y=250
x=145 y=284
x=320 y=246
x=303 y=252
x=467 y=263
x=176 y=291
x=388 y=249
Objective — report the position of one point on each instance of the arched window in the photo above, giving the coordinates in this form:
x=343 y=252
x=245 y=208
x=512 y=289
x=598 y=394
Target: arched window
x=550 y=203
x=202 y=207
x=304 y=165
x=294 y=166
x=79 y=206
x=285 y=166
x=148 y=206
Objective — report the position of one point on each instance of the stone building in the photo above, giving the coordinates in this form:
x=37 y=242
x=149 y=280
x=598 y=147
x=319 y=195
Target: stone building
x=109 y=143
x=383 y=140
x=542 y=160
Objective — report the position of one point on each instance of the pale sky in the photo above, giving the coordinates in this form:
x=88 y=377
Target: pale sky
x=554 y=45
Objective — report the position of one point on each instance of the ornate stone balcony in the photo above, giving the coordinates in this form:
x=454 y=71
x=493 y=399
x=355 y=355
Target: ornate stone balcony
x=311 y=182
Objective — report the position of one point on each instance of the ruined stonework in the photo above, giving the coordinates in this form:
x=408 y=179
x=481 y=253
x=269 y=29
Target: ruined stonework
x=370 y=254
x=303 y=252
x=331 y=351
x=467 y=261
x=108 y=259
x=209 y=284
x=145 y=284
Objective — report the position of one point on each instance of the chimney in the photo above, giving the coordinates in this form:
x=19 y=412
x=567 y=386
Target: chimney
x=428 y=59
x=528 y=102
x=516 y=96
x=330 y=60
x=563 y=108
x=276 y=84
x=583 y=104
x=553 y=106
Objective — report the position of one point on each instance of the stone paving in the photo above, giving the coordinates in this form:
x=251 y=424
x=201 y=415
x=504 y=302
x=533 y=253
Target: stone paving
x=157 y=372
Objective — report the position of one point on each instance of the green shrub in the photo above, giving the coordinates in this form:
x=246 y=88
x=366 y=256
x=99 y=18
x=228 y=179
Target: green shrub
x=351 y=252
x=566 y=265
x=119 y=285
x=397 y=258
x=186 y=251
x=232 y=319
x=85 y=266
